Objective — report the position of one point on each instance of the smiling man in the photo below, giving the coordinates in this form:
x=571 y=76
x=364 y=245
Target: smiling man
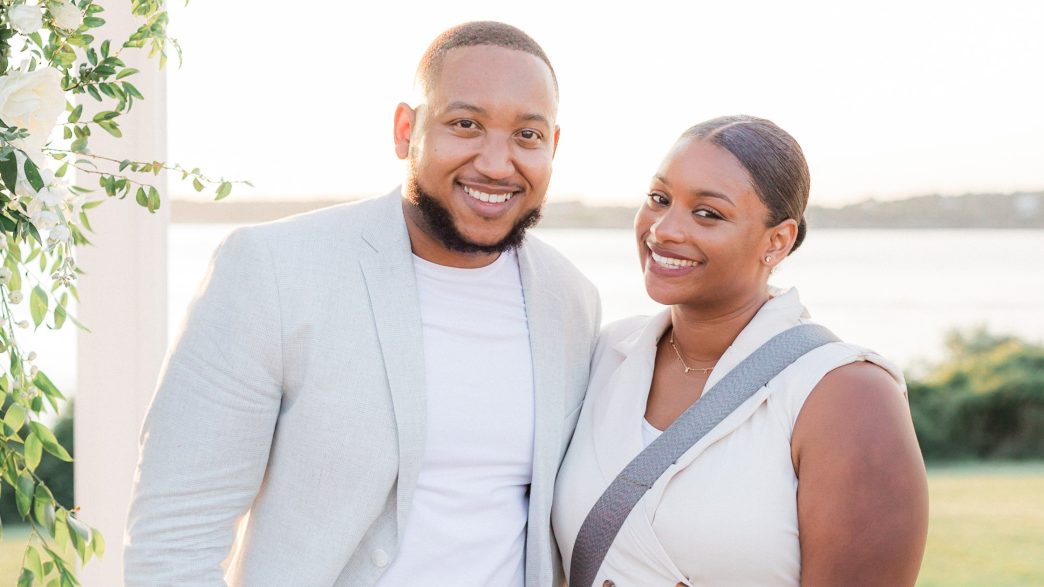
x=380 y=393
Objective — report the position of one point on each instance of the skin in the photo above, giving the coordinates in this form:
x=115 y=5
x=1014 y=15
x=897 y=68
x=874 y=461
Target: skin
x=487 y=124
x=862 y=498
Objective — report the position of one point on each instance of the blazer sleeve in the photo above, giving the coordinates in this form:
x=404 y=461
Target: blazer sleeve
x=207 y=434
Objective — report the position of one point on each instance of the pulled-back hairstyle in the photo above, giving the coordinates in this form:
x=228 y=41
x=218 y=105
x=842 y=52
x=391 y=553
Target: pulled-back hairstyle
x=773 y=159
x=475 y=33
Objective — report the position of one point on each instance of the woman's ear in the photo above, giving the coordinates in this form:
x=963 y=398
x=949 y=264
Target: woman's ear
x=780 y=240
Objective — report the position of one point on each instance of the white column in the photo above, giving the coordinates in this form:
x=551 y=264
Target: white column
x=123 y=300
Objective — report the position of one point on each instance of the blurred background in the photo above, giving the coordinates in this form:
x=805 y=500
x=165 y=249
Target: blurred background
x=922 y=124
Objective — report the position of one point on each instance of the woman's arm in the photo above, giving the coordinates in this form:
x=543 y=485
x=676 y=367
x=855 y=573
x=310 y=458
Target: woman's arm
x=862 y=489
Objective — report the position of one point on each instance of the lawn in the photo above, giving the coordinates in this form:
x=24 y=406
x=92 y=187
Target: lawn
x=987 y=528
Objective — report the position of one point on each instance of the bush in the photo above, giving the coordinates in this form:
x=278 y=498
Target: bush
x=986 y=400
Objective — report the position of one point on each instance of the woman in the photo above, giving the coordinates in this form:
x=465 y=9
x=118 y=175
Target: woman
x=817 y=478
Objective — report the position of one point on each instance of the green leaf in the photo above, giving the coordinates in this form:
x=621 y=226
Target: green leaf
x=76 y=113
x=81 y=536
x=126 y=73
x=154 y=199
x=38 y=305
x=50 y=443
x=105 y=48
x=15 y=416
x=111 y=127
x=93 y=91
x=46 y=385
x=98 y=542
x=9 y=171
x=59 y=316
x=26 y=578
x=224 y=190
x=33 y=563
x=141 y=197
x=132 y=90
x=43 y=507
x=24 y=494
x=32 y=174
x=33 y=451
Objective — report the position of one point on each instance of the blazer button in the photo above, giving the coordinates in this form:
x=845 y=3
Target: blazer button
x=608 y=583
x=379 y=558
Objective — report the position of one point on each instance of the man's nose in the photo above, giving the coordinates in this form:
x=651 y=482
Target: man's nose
x=495 y=159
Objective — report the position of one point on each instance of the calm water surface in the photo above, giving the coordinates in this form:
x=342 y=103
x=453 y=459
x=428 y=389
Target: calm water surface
x=897 y=292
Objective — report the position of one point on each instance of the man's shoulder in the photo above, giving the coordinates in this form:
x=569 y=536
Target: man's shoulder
x=347 y=218
x=552 y=262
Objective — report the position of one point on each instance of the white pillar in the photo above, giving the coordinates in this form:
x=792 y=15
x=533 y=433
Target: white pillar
x=123 y=300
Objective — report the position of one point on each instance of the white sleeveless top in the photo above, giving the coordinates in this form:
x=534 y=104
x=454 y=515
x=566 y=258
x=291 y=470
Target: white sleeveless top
x=726 y=512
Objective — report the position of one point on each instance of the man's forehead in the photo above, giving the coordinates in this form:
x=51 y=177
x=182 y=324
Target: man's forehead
x=488 y=73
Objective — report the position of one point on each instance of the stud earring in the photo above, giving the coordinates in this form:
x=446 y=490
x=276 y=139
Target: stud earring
x=768 y=259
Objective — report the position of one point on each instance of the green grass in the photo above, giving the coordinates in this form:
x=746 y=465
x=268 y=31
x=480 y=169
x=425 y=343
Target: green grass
x=986 y=529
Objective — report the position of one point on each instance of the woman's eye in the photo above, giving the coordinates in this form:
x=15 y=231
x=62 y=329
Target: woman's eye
x=659 y=199
x=706 y=213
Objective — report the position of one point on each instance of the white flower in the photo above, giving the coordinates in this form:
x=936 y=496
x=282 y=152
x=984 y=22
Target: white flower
x=31 y=357
x=23 y=324
x=60 y=234
x=15 y=297
x=32 y=100
x=44 y=220
x=5 y=275
x=66 y=16
x=33 y=371
x=25 y=19
x=51 y=195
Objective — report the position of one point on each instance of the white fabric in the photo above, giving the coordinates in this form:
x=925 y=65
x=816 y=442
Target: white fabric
x=467 y=523
x=295 y=392
x=726 y=512
x=649 y=433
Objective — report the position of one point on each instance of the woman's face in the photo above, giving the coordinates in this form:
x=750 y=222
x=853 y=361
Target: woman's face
x=701 y=232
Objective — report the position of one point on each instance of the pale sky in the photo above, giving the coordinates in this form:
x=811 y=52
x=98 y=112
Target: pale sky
x=888 y=99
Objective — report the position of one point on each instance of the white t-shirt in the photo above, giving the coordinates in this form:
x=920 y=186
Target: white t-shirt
x=467 y=522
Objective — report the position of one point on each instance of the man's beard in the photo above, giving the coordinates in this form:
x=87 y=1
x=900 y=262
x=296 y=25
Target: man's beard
x=438 y=223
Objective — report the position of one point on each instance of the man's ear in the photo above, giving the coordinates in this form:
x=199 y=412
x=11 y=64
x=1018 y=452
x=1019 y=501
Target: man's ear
x=405 y=118
x=554 y=148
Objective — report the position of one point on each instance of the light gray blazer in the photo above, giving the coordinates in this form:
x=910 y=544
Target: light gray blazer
x=295 y=392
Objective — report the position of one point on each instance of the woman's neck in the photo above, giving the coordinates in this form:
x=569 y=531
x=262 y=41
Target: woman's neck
x=703 y=335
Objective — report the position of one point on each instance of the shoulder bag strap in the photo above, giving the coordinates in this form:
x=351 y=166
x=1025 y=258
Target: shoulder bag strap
x=607 y=516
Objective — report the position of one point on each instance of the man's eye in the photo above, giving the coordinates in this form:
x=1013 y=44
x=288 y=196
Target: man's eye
x=466 y=124
x=529 y=135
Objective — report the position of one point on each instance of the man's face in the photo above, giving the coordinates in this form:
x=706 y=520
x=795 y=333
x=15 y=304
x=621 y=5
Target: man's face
x=479 y=153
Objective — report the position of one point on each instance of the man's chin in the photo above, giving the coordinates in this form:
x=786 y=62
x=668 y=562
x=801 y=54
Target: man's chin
x=444 y=227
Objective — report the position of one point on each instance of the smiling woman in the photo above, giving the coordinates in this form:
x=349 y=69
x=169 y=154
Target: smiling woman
x=817 y=476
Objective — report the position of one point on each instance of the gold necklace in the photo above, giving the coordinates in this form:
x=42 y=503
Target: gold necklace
x=682 y=361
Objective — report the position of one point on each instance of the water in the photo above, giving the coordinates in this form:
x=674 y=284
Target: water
x=896 y=291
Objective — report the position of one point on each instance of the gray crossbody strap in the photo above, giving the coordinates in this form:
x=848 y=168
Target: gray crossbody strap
x=607 y=516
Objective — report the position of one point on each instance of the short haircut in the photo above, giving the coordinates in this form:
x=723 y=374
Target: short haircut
x=470 y=34
x=773 y=159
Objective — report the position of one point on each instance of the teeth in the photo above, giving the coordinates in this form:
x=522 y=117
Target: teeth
x=672 y=262
x=491 y=198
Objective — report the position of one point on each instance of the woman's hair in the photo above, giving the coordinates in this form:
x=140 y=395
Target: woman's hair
x=772 y=158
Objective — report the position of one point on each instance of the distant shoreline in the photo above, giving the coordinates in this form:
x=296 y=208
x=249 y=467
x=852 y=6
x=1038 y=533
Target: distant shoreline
x=971 y=211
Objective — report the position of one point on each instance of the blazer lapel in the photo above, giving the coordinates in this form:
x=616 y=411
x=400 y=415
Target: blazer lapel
x=392 y=286
x=546 y=341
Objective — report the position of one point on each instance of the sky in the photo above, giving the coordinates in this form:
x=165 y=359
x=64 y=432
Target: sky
x=888 y=99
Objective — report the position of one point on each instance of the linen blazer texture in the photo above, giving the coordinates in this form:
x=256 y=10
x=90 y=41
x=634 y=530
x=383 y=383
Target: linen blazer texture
x=295 y=392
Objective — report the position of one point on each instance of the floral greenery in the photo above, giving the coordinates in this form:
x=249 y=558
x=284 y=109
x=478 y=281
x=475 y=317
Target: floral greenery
x=60 y=67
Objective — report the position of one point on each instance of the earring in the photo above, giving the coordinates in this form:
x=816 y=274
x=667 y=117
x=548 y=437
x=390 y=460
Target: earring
x=768 y=258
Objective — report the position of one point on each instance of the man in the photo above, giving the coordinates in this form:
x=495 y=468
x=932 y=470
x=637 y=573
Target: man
x=383 y=389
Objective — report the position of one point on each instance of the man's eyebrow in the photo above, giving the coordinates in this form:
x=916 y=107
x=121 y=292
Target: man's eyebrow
x=698 y=192
x=469 y=107
x=534 y=117
x=464 y=106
